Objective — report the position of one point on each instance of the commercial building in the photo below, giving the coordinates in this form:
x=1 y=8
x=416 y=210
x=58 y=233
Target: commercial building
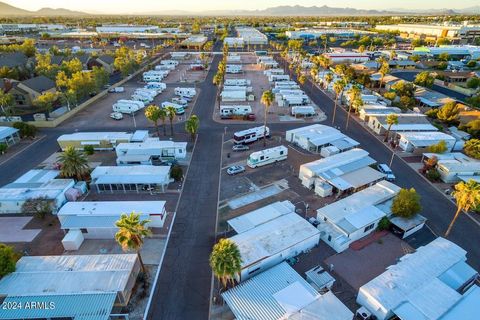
x=420 y=141
x=406 y=122
x=251 y=36
x=36 y=184
x=193 y=42
x=234 y=42
x=311 y=34
x=268 y=242
x=150 y=152
x=347 y=57
x=9 y=136
x=355 y=216
x=127 y=28
x=281 y=293
x=344 y=172
x=317 y=137
x=435 y=282
x=454 y=167
x=69 y=286
x=96 y=219
x=462 y=33
x=144 y=178
x=100 y=140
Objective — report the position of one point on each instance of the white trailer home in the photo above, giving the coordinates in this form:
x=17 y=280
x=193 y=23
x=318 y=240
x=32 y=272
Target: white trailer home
x=237 y=82
x=149 y=92
x=146 y=99
x=185 y=92
x=161 y=67
x=151 y=151
x=269 y=72
x=179 y=109
x=153 y=77
x=294 y=100
x=420 y=141
x=267 y=156
x=100 y=140
x=278 y=77
x=269 y=64
x=234 y=96
x=96 y=219
x=250 y=135
x=234 y=68
x=127 y=106
x=302 y=111
x=159 y=86
x=238 y=88
x=227 y=111
x=169 y=62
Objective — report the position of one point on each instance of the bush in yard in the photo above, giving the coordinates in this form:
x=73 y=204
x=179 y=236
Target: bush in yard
x=26 y=130
x=8 y=259
x=3 y=148
x=383 y=224
x=406 y=203
x=432 y=113
x=440 y=147
x=176 y=173
x=472 y=148
x=89 y=150
x=433 y=175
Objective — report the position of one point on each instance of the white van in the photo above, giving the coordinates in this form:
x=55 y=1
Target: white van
x=267 y=156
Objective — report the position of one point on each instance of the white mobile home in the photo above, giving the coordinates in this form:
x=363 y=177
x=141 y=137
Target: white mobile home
x=355 y=216
x=234 y=96
x=99 y=140
x=237 y=82
x=153 y=77
x=234 y=68
x=250 y=135
x=406 y=122
x=228 y=111
x=294 y=100
x=162 y=67
x=169 y=62
x=420 y=141
x=278 y=77
x=143 y=178
x=149 y=152
x=96 y=219
x=128 y=106
x=269 y=72
x=455 y=167
x=417 y=288
x=274 y=241
x=302 y=111
x=267 y=156
x=237 y=88
x=317 y=136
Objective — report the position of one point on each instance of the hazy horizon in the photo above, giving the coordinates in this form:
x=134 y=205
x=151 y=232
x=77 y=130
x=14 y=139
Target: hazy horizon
x=126 y=6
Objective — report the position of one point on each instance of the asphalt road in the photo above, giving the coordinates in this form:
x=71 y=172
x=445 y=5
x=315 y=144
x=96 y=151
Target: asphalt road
x=410 y=76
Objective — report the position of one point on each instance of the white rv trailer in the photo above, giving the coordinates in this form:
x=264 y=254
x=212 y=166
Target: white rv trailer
x=141 y=98
x=161 y=67
x=159 y=86
x=267 y=156
x=185 y=92
x=153 y=77
x=151 y=92
x=226 y=111
x=169 y=62
x=127 y=106
x=238 y=88
x=237 y=82
x=269 y=72
x=278 y=77
x=303 y=111
x=179 y=109
x=250 y=135
x=233 y=68
x=294 y=100
x=232 y=96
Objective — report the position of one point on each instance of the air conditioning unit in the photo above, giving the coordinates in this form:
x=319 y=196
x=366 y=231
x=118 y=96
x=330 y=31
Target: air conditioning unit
x=363 y=314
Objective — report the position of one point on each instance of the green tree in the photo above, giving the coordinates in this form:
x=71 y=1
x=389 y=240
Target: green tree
x=152 y=113
x=100 y=77
x=171 y=113
x=440 y=147
x=8 y=259
x=131 y=234
x=472 y=148
x=3 y=148
x=25 y=130
x=6 y=102
x=424 y=79
x=338 y=87
x=354 y=94
x=267 y=100
x=406 y=203
x=191 y=126
x=407 y=102
x=45 y=101
x=328 y=79
x=448 y=113
x=40 y=207
x=73 y=163
x=384 y=70
x=444 y=56
x=226 y=261
x=467 y=196
x=473 y=82
x=176 y=173
x=391 y=120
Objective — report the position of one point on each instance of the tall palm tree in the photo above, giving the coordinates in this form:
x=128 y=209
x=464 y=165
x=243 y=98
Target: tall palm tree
x=328 y=79
x=467 y=196
x=152 y=113
x=314 y=73
x=391 y=120
x=171 y=113
x=131 y=232
x=267 y=101
x=384 y=69
x=338 y=87
x=191 y=126
x=226 y=261
x=353 y=95
x=74 y=164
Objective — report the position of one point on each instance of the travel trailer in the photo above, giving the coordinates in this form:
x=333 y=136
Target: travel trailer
x=127 y=106
x=250 y=135
x=267 y=156
x=229 y=111
x=179 y=109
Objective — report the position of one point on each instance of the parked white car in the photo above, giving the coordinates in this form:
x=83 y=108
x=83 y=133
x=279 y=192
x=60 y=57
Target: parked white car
x=233 y=170
x=116 y=115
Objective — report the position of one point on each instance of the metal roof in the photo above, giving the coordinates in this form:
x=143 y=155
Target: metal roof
x=6 y=132
x=80 y=222
x=141 y=174
x=91 y=306
x=106 y=208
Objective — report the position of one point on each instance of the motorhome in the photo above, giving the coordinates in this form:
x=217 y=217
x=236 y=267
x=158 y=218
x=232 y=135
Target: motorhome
x=267 y=156
x=179 y=109
x=153 y=77
x=278 y=77
x=151 y=92
x=169 y=62
x=229 y=111
x=185 y=92
x=250 y=135
x=180 y=101
x=127 y=106
x=303 y=111
x=237 y=82
x=161 y=67
x=159 y=86
x=233 y=68
x=269 y=72
x=143 y=98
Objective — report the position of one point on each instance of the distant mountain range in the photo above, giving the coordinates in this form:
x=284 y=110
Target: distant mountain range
x=8 y=10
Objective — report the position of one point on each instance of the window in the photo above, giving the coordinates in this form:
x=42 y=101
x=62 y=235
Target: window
x=84 y=230
x=281 y=153
x=253 y=271
x=369 y=227
x=329 y=238
x=262 y=157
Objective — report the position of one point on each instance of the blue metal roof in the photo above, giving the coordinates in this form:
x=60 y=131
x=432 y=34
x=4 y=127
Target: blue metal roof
x=91 y=306
x=7 y=132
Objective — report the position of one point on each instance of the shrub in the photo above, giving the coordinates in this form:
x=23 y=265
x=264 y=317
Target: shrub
x=390 y=95
x=433 y=175
x=26 y=130
x=383 y=224
x=89 y=150
x=440 y=147
x=3 y=148
x=8 y=259
x=176 y=173
x=472 y=148
x=406 y=203
x=432 y=113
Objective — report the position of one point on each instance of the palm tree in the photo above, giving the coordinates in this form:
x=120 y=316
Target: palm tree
x=74 y=164
x=267 y=100
x=384 y=69
x=391 y=120
x=353 y=95
x=163 y=116
x=171 y=113
x=328 y=79
x=152 y=112
x=226 y=261
x=338 y=87
x=314 y=73
x=467 y=196
x=191 y=126
x=131 y=233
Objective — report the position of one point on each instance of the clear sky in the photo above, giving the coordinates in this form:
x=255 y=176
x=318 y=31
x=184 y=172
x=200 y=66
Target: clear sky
x=129 y=6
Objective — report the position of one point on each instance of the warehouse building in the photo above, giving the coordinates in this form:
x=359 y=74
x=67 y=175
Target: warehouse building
x=268 y=243
x=70 y=286
x=322 y=139
x=281 y=293
x=435 y=282
x=460 y=33
x=144 y=178
x=251 y=36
